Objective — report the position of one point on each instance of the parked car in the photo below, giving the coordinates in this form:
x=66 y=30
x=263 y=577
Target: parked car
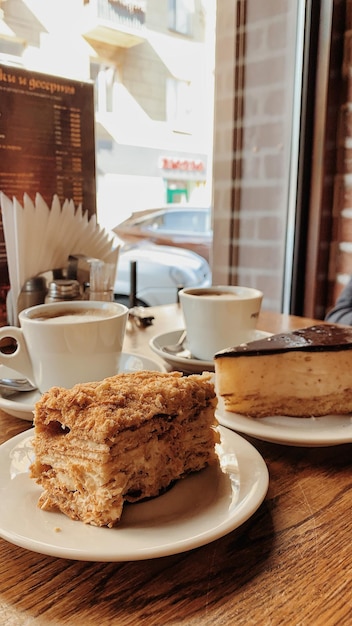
x=181 y=226
x=160 y=272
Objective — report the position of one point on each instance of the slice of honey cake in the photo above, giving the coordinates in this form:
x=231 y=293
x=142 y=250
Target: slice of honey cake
x=126 y=438
x=304 y=373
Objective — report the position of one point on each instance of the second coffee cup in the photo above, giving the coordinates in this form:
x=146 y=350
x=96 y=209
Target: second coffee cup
x=219 y=317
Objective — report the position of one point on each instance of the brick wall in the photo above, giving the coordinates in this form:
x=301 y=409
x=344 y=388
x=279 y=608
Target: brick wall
x=253 y=122
x=251 y=143
x=340 y=268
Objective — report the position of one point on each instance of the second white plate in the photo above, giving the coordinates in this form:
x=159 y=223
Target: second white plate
x=329 y=430
x=187 y=365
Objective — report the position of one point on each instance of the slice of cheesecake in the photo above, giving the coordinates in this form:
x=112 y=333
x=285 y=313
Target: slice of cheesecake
x=307 y=372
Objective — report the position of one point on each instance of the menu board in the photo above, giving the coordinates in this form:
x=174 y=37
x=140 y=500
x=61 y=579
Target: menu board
x=46 y=143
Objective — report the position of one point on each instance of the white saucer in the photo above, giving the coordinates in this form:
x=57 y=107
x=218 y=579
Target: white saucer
x=187 y=365
x=21 y=404
x=329 y=430
x=195 y=511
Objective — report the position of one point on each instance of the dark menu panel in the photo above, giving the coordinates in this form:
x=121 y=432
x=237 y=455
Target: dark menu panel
x=46 y=142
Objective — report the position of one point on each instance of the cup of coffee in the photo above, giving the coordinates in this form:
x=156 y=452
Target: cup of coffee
x=64 y=343
x=219 y=317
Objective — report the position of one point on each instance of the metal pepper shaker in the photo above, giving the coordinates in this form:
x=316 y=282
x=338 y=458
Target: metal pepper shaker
x=33 y=292
x=63 y=289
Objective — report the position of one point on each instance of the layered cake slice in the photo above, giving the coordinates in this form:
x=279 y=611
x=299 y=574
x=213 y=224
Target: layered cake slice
x=126 y=438
x=303 y=373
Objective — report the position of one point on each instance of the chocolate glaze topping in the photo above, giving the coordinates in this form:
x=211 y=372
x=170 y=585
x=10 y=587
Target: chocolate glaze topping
x=319 y=338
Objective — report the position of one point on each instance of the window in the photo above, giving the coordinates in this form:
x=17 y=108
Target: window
x=179 y=104
x=180 y=16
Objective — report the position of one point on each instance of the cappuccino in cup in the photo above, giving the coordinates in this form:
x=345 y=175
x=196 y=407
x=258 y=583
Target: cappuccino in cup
x=77 y=314
x=64 y=343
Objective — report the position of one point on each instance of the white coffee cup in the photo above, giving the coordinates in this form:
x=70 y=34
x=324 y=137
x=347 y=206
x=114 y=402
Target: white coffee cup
x=219 y=317
x=65 y=343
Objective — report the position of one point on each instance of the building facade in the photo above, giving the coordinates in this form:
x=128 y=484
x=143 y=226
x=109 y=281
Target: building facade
x=152 y=65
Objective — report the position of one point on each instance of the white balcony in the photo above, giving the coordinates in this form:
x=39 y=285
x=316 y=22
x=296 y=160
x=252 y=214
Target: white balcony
x=115 y=22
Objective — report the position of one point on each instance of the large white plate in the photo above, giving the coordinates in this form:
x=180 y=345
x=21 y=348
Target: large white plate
x=195 y=511
x=187 y=365
x=22 y=404
x=328 y=430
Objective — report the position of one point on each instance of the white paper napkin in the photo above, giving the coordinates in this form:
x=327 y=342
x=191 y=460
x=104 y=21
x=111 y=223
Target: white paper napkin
x=39 y=238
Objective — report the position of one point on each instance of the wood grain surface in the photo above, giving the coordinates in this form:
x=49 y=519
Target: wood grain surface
x=289 y=564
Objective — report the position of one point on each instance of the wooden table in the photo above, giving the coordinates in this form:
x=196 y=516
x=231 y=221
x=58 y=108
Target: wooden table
x=289 y=564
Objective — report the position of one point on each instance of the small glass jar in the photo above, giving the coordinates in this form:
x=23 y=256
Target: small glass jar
x=63 y=289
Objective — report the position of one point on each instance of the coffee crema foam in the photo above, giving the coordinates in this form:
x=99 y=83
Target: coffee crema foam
x=67 y=316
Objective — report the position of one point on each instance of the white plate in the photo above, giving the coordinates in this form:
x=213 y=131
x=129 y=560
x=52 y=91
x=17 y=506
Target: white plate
x=329 y=430
x=187 y=365
x=22 y=404
x=195 y=511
